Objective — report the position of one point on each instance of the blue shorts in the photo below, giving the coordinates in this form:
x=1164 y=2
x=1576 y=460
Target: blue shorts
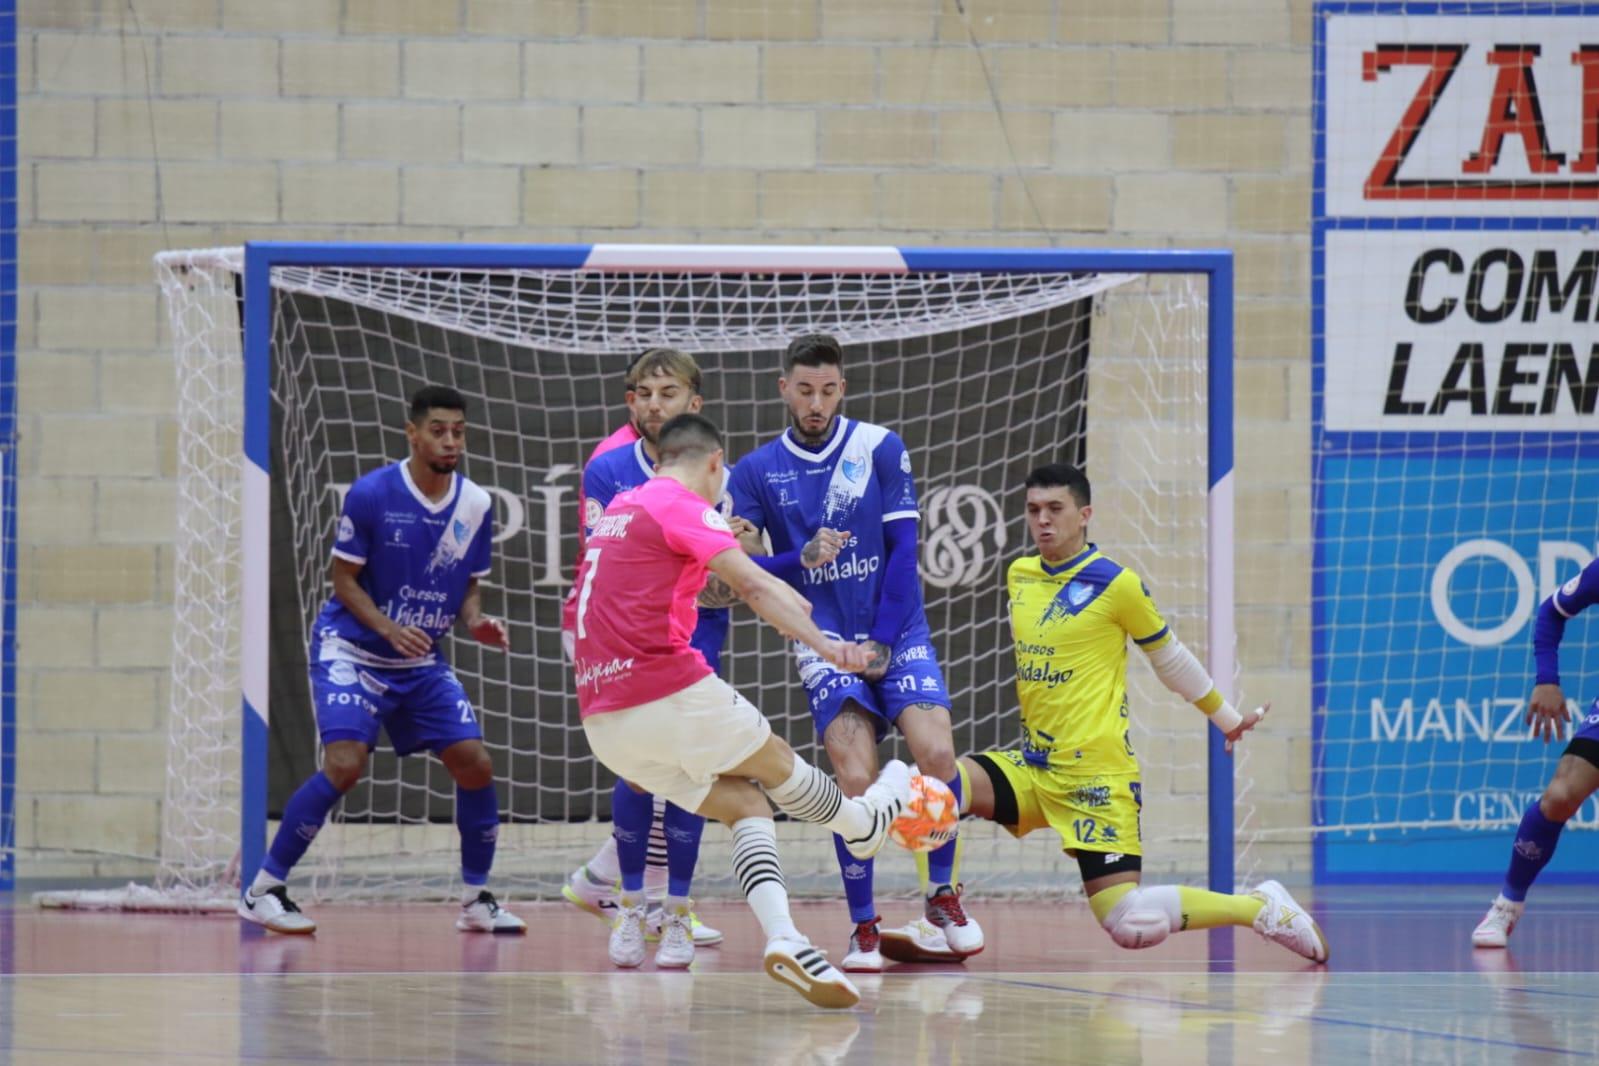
x=913 y=677
x=421 y=707
x=1585 y=741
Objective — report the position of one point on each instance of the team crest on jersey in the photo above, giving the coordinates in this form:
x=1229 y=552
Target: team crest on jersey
x=854 y=468
x=1570 y=587
x=713 y=518
x=592 y=511
x=1077 y=594
x=460 y=531
x=346 y=528
x=905 y=462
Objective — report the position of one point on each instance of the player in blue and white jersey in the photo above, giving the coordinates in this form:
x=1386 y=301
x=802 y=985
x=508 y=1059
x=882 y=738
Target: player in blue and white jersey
x=838 y=502
x=1576 y=775
x=412 y=542
x=662 y=383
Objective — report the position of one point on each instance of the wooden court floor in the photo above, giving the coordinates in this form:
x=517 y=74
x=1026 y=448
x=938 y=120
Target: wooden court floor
x=398 y=984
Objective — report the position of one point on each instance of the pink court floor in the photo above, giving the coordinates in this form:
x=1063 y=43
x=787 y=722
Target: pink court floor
x=400 y=984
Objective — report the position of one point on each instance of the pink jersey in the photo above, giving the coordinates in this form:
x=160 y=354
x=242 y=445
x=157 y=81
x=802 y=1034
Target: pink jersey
x=642 y=570
x=624 y=435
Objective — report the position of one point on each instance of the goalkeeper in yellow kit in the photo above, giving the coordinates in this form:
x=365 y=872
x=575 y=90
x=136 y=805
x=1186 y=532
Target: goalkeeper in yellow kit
x=1072 y=611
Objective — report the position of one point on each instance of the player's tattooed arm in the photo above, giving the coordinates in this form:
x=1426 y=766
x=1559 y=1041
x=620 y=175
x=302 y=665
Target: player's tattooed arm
x=716 y=593
x=823 y=548
x=877 y=664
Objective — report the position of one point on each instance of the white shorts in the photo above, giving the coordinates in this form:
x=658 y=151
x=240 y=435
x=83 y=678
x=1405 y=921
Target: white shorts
x=676 y=746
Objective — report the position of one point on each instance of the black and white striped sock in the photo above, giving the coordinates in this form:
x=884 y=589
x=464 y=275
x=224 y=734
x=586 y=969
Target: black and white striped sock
x=812 y=796
x=656 y=853
x=760 y=875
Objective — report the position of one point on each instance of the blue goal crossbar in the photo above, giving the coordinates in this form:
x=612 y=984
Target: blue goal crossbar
x=261 y=258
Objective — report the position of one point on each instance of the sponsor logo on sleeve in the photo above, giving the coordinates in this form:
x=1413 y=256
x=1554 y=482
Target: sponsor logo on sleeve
x=592 y=511
x=713 y=518
x=346 y=528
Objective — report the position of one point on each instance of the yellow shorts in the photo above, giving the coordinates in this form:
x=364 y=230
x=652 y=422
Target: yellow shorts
x=1091 y=812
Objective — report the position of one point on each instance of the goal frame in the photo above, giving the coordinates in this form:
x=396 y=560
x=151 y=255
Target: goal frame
x=261 y=257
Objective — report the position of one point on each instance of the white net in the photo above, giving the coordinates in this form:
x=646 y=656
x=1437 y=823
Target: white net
x=984 y=375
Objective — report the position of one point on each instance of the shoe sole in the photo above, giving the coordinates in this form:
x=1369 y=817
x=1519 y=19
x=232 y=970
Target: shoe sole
x=786 y=970
x=583 y=904
x=508 y=931
x=897 y=948
x=673 y=964
x=254 y=919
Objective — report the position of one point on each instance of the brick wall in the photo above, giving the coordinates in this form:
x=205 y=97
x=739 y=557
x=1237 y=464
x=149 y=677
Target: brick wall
x=177 y=123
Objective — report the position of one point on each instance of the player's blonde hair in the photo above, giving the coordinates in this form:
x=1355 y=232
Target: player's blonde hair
x=668 y=361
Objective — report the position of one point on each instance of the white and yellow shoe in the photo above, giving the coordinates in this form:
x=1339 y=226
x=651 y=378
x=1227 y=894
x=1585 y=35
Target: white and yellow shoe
x=595 y=896
x=677 y=943
x=626 y=946
x=1284 y=921
x=704 y=936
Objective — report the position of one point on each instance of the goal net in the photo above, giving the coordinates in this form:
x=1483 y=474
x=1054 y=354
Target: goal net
x=985 y=373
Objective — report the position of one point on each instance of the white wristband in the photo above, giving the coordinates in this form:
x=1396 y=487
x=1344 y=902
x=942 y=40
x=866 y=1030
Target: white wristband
x=1226 y=717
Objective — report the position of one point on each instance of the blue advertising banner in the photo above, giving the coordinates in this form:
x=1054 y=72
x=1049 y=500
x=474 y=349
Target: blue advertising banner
x=1431 y=582
x=1455 y=424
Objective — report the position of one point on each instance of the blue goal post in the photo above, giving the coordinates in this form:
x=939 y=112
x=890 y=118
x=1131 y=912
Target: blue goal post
x=263 y=258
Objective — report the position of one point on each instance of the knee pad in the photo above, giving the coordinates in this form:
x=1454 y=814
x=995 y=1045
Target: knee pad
x=1133 y=925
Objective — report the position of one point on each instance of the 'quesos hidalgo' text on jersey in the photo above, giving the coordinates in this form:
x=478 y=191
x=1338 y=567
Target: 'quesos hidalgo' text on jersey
x=856 y=482
x=417 y=558
x=1071 y=623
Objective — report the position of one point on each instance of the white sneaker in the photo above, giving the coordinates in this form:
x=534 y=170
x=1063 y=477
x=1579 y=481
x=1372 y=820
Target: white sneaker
x=805 y=969
x=920 y=941
x=275 y=910
x=485 y=915
x=704 y=936
x=865 y=953
x=596 y=897
x=627 y=936
x=965 y=936
x=886 y=798
x=1496 y=926
x=1285 y=922
x=677 y=942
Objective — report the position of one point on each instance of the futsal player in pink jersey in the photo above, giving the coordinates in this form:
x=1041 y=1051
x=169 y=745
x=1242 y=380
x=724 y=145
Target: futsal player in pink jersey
x=655 y=714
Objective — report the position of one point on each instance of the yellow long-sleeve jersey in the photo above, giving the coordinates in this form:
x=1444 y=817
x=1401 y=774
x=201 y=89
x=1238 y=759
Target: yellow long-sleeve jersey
x=1071 y=624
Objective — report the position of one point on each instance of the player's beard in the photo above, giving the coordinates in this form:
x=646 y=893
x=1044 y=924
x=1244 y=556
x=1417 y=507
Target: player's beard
x=442 y=468
x=806 y=436
x=645 y=433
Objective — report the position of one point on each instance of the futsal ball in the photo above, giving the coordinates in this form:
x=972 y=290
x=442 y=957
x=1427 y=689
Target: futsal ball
x=929 y=819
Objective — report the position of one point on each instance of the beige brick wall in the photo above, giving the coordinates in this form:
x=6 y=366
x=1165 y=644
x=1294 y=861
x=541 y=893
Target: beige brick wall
x=1073 y=122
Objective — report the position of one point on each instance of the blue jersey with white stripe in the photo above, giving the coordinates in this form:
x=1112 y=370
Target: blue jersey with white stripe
x=417 y=559
x=856 y=482
x=626 y=468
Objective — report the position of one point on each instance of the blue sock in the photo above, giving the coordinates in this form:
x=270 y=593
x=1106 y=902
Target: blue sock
x=941 y=860
x=857 y=883
x=631 y=815
x=683 y=829
x=1536 y=838
x=477 y=816
x=303 y=816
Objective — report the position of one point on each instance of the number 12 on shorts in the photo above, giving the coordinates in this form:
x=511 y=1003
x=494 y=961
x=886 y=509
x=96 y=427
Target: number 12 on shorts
x=1085 y=830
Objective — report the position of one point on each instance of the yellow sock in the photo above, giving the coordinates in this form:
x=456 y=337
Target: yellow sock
x=1203 y=909
x=1104 y=900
